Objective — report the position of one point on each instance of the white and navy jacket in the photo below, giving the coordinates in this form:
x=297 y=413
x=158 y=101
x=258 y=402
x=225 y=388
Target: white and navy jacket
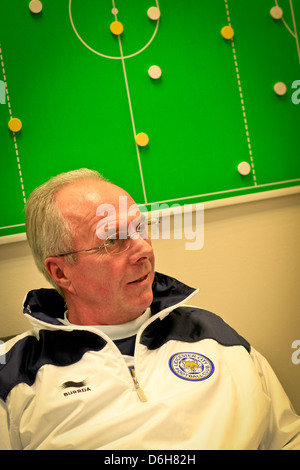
x=197 y=384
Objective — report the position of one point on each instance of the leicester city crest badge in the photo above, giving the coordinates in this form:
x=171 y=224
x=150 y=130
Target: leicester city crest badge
x=191 y=366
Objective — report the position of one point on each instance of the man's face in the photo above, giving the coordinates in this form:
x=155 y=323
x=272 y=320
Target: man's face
x=105 y=288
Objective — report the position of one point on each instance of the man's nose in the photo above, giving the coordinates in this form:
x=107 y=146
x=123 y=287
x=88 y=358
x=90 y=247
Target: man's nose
x=140 y=249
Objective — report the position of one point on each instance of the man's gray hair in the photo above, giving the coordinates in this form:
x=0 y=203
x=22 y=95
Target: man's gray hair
x=48 y=232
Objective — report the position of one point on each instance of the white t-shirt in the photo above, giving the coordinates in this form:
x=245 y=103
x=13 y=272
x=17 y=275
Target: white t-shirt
x=120 y=331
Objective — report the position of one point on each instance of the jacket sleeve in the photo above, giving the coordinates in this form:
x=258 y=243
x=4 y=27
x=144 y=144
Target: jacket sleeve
x=4 y=431
x=283 y=430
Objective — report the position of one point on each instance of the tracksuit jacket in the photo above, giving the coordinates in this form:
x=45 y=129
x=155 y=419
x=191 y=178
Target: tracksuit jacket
x=196 y=384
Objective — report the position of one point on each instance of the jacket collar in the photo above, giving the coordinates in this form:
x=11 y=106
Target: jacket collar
x=47 y=305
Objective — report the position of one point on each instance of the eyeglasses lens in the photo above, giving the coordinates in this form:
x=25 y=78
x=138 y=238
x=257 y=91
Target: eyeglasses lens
x=118 y=243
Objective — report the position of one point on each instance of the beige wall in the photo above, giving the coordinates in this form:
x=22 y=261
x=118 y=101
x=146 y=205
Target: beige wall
x=248 y=272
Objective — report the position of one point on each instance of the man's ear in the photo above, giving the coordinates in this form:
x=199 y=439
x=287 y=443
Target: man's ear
x=56 y=268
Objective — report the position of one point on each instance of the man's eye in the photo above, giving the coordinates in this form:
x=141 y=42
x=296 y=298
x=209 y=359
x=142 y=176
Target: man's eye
x=111 y=241
x=141 y=227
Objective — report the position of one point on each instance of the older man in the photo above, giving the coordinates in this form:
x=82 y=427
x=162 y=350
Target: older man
x=101 y=289
x=115 y=360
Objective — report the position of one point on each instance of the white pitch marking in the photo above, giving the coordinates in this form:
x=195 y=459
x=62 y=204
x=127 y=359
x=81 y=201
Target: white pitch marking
x=104 y=55
x=14 y=134
x=293 y=33
x=131 y=112
x=242 y=99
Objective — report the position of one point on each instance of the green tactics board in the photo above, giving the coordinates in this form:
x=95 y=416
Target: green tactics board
x=81 y=89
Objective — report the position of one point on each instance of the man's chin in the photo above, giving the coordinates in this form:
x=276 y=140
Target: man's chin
x=140 y=304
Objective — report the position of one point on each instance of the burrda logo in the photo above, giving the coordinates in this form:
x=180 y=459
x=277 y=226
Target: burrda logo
x=77 y=387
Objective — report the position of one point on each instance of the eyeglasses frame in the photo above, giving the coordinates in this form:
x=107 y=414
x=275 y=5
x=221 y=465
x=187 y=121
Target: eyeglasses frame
x=129 y=237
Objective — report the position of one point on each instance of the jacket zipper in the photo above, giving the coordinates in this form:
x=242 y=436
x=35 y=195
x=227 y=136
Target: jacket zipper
x=139 y=391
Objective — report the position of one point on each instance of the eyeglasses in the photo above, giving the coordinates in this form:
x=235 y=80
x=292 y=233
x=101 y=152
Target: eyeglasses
x=116 y=244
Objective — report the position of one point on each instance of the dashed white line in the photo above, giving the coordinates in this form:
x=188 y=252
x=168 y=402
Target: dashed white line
x=14 y=134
